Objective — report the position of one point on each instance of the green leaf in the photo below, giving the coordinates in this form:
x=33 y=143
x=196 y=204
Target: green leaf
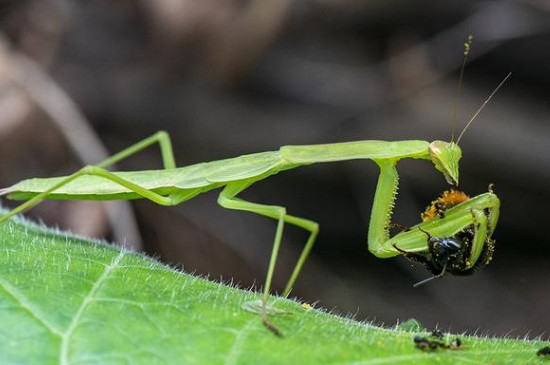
x=67 y=300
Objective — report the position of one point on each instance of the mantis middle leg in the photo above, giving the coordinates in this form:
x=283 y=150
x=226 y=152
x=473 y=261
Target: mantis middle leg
x=228 y=200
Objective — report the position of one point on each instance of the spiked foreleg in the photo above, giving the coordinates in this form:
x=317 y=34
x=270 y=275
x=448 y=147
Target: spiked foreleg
x=482 y=211
x=382 y=207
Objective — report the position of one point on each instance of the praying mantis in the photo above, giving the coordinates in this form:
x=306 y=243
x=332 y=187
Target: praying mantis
x=172 y=185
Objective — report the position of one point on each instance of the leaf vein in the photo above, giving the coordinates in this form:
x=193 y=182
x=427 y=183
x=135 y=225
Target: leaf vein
x=236 y=348
x=24 y=302
x=64 y=353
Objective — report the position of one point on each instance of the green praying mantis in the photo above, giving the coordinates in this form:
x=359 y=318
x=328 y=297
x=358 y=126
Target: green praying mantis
x=172 y=185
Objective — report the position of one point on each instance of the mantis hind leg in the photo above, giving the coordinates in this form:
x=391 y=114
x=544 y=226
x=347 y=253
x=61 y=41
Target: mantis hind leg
x=161 y=137
x=101 y=172
x=228 y=200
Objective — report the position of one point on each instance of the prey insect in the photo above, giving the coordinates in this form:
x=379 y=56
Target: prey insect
x=455 y=254
x=544 y=352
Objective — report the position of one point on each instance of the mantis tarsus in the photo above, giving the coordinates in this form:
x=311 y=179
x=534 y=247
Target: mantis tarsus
x=171 y=186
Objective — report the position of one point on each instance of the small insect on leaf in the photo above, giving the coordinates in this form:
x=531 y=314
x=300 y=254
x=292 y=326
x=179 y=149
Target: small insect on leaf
x=456 y=343
x=307 y=306
x=437 y=333
x=435 y=342
x=427 y=344
x=544 y=352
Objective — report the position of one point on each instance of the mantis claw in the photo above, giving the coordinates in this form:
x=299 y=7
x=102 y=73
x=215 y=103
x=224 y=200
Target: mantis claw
x=261 y=307
x=258 y=307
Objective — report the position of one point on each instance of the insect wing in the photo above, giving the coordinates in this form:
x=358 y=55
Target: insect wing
x=244 y=167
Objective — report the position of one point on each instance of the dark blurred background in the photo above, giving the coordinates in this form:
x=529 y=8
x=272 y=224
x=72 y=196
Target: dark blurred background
x=229 y=77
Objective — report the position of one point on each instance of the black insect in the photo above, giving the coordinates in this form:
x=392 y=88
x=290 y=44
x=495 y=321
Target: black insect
x=435 y=342
x=545 y=351
x=451 y=255
x=437 y=333
x=427 y=344
x=456 y=343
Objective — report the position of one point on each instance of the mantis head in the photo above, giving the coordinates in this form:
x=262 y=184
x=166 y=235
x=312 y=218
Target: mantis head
x=445 y=156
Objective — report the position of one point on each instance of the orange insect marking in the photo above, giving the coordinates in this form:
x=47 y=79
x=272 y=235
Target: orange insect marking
x=448 y=199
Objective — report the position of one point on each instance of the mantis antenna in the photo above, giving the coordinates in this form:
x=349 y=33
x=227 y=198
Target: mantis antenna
x=482 y=106
x=459 y=87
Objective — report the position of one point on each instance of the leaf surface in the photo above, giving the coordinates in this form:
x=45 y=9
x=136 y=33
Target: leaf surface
x=67 y=300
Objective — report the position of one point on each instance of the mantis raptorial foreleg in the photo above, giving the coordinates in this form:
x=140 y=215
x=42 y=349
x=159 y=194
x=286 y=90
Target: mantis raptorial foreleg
x=382 y=206
x=457 y=218
x=482 y=230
